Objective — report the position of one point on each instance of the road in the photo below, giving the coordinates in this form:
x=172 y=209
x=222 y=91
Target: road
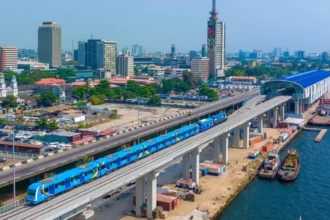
x=49 y=163
x=86 y=193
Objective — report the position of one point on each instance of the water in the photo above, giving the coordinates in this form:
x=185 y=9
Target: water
x=308 y=196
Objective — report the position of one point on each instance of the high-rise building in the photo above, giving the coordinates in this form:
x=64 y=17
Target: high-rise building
x=204 y=53
x=200 y=68
x=173 y=51
x=101 y=54
x=125 y=65
x=75 y=55
x=286 y=54
x=8 y=58
x=49 y=44
x=141 y=50
x=82 y=53
x=135 y=50
x=301 y=54
x=193 y=54
x=325 y=56
x=216 y=35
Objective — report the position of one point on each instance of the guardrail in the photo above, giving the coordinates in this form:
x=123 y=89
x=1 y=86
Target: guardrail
x=8 y=154
x=13 y=205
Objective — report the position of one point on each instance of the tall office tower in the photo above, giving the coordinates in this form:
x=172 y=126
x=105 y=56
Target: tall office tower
x=141 y=50
x=200 y=68
x=325 y=56
x=193 y=54
x=216 y=34
x=82 y=53
x=8 y=58
x=204 y=53
x=301 y=54
x=125 y=65
x=173 y=51
x=49 y=44
x=135 y=50
x=101 y=54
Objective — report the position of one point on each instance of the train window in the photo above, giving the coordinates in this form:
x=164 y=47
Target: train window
x=124 y=158
x=113 y=163
x=31 y=192
x=62 y=183
x=57 y=185
x=46 y=189
x=139 y=152
x=103 y=166
x=76 y=177
x=72 y=179
x=133 y=154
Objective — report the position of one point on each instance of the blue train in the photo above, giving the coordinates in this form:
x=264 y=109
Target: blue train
x=48 y=188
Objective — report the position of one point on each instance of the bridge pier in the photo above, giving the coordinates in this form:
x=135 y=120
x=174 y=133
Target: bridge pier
x=216 y=150
x=260 y=124
x=139 y=195
x=186 y=167
x=224 y=147
x=151 y=193
x=275 y=115
x=237 y=137
x=246 y=135
x=296 y=106
x=282 y=112
x=195 y=165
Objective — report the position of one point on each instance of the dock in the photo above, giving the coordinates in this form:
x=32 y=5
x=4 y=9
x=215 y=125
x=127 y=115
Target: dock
x=320 y=135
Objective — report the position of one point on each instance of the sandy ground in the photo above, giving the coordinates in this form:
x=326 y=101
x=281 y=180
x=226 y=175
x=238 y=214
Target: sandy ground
x=129 y=115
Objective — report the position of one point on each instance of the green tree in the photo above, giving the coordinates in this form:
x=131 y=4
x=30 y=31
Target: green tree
x=210 y=93
x=10 y=102
x=189 y=78
x=238 y=73
x=52 y=125
x=1 y=203
x=155 y=100
x=132 y=86
x=118 y=92
x=80 y=103
x=168 y=85
x=181 y=87
x=97 y=99
x=64 y=73
x=47 y=99
x=80 y=91
x=42 y=123
x=129 y=95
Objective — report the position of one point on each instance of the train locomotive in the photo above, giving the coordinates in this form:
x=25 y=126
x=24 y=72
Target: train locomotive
x=48 y=188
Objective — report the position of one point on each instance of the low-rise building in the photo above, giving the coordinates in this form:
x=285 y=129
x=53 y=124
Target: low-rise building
x=63 y=137
x=32 y=65
x=156 y=71
x=200 y=68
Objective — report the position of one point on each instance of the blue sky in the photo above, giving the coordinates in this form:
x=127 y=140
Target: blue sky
x=156 y=24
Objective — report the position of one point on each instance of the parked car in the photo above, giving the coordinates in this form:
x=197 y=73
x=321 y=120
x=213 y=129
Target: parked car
x=2 y=160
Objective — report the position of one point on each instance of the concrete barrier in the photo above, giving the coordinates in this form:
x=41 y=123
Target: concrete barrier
x=18 y=164
x=40 y=157
x=6 y=168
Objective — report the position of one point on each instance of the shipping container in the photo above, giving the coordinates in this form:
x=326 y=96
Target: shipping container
x=255 y=140
x=268 y=146
x=190 y=173
x=203 y=170
x=186 y=184
x=212 y=169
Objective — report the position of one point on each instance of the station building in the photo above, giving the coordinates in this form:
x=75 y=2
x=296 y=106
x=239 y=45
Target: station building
x=305 y=89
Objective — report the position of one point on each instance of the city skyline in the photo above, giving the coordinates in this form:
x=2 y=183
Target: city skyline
x=292 y=26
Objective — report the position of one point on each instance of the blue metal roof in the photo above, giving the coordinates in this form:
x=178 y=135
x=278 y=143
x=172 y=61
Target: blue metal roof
x=306 y=79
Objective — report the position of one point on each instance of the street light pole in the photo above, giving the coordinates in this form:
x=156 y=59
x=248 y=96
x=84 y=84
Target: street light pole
x=14 y=170
x=138 y=121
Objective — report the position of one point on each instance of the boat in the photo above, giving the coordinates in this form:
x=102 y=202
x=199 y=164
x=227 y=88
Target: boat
x=290 y=167
x=270 y=166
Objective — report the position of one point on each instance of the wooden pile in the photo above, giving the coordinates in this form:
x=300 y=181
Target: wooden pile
x=157 y=211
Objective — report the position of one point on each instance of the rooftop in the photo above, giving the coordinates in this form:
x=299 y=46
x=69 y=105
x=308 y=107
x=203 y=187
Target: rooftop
x=48 y=81
x=66 y=134
x=306 y=79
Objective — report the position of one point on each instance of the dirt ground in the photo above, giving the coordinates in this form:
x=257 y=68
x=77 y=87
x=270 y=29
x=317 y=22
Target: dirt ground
x=129 y=115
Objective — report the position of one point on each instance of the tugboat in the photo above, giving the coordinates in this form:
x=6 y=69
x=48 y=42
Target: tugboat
x=290 y=166
x=271 y=166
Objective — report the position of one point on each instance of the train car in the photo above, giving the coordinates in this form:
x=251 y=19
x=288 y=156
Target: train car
x=187 y=131
x=205 y=124
x=220 y=117
x=106 y=165
x=52 y=186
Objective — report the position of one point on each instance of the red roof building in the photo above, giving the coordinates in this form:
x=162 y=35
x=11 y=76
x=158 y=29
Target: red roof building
x=123 y=81
x=50 y=81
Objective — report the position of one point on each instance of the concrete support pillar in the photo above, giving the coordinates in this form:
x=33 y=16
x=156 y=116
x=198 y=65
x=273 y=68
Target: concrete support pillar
x=260 y=124
x=275 y=115
x=246 y=135
x=296 y=106
x=195 y=165
x=269 y=118
x=151 y=193
x=224 y=147
x=186 y=167
x=140 y=196
x=216 y=150
x=237 y=137
x=282 y=112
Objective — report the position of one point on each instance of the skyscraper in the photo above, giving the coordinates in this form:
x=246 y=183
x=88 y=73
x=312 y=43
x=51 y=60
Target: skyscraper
x=204 y=53
x=82 y=53
x=141 y=50
x=8 y=58
x=101 y=54
x=216 y=34
x=49 y=43
x=135 y=50
x=172 y=51
x=125 y=65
